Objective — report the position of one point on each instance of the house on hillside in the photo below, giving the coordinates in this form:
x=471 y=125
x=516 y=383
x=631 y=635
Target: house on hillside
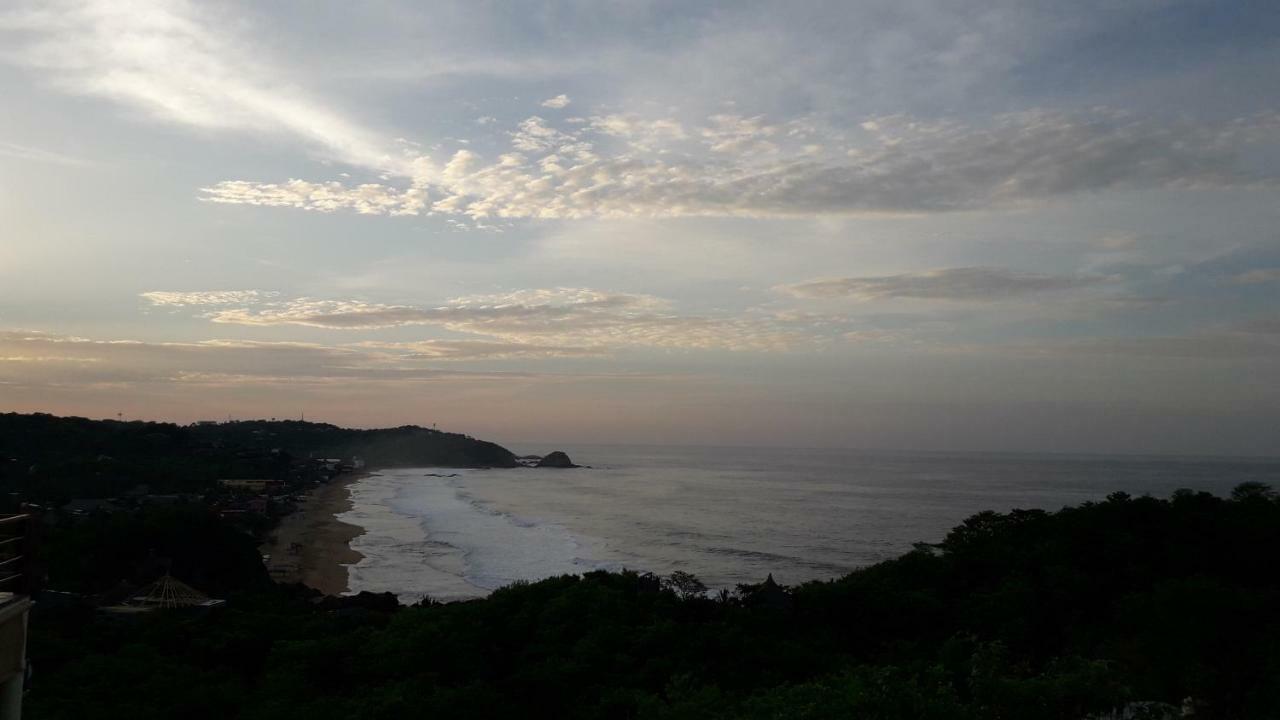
x=252 y=485
x=241 y=506
x=84 y=507
x=166 y=593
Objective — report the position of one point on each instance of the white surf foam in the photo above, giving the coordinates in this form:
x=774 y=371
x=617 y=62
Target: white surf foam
x=426 y=535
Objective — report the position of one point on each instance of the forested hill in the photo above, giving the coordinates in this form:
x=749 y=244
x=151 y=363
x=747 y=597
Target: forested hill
x=44 y=454
x=404 y=446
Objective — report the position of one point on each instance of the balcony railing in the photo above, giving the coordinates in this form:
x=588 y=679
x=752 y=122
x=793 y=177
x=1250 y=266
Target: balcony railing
x=17 y=576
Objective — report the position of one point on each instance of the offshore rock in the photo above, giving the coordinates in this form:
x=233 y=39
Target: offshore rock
x=556 y=459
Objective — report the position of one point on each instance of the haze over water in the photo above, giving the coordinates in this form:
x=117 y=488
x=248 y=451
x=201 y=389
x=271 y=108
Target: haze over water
x=728 y=515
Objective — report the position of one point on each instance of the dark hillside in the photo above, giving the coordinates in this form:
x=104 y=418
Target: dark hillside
x=46 y=458
x=408 y=445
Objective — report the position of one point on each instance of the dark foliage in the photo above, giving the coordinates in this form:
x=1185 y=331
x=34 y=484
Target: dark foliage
x=1020 y=615
x=103 y=552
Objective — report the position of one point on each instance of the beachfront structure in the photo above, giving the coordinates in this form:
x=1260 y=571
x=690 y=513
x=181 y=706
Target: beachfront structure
x=166 y=593
x=84 y=507
x=171 y=593
x=252 y=484
x=242 y=505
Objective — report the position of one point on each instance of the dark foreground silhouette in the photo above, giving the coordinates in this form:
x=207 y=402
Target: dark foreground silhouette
x=1021 y=615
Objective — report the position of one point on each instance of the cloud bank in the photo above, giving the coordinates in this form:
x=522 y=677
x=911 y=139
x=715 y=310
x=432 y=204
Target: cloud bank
x=544 y=322
x=623 y=167
x=966 y=283
x=32 y=358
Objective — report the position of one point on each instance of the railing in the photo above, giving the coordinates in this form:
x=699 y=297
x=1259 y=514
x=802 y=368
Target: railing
x=17 y=576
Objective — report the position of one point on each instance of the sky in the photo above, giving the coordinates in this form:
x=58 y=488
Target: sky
x=1004 y=225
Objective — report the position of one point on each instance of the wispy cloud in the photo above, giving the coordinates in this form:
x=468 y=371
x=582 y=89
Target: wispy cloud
x=555 y=319
x=1257 y=276
x=167 y=59
x=206 y=297
x=34 y=358
x=1206 y=346
x=1255 y=339
x=479 y=350
x=59 y=373
x=968 y=283
x=35 y=154
x=84 y=360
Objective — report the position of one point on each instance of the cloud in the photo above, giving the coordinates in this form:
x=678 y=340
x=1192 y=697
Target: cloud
x=1262 y=326
x=59 y=373
x=1207 y=346
x=367 y=199
x=967 y=283
x=1255 y=339
x=168 y=60
x=83 y=360
x=206 y=297
x=35 y=358
x=737 y=134
x=480 y=350
x=35 y=154
x=331 y=314
x=640 y=133
x=744 y=166
x=176 y=62
x=1118 y=242
x=1257 y=276
x=573 y=317
x=550 y=322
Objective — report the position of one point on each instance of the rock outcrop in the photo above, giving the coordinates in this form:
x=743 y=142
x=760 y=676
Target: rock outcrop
x=556 y=459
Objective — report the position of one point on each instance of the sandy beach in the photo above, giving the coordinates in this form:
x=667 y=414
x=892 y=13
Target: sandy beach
x=311 y=545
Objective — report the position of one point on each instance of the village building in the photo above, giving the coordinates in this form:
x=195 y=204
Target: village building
x=252 y=485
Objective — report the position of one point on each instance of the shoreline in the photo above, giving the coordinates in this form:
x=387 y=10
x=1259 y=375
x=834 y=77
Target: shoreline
x=311 y=545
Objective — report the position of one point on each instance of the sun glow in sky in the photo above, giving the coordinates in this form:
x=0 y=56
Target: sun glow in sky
x=1002 y=225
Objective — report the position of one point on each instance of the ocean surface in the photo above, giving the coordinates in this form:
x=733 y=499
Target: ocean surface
x=728 y=515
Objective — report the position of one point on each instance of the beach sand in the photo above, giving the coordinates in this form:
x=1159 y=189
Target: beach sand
x=311 y=545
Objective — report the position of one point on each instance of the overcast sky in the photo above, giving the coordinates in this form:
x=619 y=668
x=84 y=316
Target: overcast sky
x=919 y=224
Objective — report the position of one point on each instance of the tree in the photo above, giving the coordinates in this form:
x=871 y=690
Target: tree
x=685 y=585
x=1252 y=490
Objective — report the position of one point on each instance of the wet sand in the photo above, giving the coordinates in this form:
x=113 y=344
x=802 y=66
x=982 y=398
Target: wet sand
x=311 y=545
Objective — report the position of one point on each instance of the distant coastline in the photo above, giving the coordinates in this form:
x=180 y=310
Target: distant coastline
x=311 y=545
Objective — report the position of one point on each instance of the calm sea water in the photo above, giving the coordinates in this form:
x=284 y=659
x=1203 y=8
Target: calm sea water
x=728 y=515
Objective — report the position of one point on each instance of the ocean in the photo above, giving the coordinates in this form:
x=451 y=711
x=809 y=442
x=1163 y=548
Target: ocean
x=727 y=515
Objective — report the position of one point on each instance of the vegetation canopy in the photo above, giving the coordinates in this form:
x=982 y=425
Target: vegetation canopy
x=1026 y=614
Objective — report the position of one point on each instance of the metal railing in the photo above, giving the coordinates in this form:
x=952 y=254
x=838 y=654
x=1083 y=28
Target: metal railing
x=16 y=550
